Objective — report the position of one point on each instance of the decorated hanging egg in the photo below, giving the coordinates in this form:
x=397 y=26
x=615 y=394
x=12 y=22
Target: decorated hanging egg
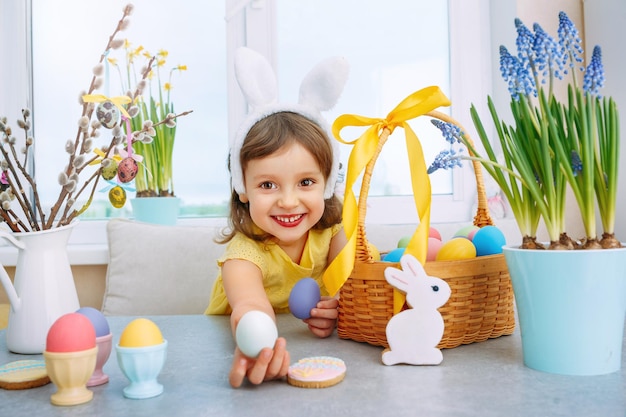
x=127 y=169
x=488 y=240
x=255 y=331
x=303 y=297
x=117 y=196
x=456 y=248
x=109 y=170
x=108 y=114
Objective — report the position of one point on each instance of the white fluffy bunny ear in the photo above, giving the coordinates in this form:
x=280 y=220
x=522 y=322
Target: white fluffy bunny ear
x=319 y=91
x=256 y=78
x=323 y=85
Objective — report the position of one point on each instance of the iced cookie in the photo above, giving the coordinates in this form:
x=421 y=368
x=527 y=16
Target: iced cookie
x=23 y=374
x=316 y=372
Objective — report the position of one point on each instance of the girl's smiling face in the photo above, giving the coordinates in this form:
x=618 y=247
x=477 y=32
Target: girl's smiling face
x=285 y=192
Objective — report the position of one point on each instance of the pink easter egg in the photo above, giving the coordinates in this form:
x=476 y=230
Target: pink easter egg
x=432 y=232
x=434 y=245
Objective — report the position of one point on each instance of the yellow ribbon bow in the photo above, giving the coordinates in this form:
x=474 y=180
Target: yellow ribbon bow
x=364 y=147
x=101 y=98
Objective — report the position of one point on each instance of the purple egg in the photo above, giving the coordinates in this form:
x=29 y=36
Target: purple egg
x=304 y=296
x=98 y=320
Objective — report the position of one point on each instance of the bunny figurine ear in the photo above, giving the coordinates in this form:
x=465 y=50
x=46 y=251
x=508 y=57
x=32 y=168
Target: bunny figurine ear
x=319 y=91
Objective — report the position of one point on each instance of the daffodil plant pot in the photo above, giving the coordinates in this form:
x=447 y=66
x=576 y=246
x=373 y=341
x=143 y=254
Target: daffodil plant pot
x=157 y=210
x=571 y=306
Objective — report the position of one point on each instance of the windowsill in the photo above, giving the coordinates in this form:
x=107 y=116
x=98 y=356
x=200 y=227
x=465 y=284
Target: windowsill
x=78 y=254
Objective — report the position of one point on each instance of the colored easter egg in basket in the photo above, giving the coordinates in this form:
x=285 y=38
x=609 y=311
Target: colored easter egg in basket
x=404 y=241
x=432 y=232
x=255 y=331
x=394 y=255
x=109 y=170
x=455 y=249
x=141 y=332
x=489 y=240
x=117 y=196
x=108 y=114
x=303 y=297
x=374 y=252
x=127 y=169
x=465 y=231
x=434 y=246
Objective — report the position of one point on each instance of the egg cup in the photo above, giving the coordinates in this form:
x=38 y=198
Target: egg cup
x=142 y=365
x=70 y=371
x=104 y=344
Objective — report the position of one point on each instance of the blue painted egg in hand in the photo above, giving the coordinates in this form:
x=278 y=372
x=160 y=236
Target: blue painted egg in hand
x=303 y=297
x=488 y=241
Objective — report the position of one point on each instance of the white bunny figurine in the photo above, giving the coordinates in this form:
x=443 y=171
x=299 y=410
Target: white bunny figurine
x=414 y=334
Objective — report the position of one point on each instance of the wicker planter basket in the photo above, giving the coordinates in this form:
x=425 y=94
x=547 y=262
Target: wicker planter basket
x=480 y=306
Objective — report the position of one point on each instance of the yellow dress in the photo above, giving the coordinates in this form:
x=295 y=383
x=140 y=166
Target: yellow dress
x=279 y=272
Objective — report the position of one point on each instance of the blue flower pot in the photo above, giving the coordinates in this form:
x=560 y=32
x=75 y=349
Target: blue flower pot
x=571 y=307
x=157 y=210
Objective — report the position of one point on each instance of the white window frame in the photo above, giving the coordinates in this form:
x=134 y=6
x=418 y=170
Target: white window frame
x=252 y=23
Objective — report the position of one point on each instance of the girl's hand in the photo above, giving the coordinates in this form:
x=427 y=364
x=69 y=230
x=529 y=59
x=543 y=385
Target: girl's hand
x=323 y=318
x=270 y=364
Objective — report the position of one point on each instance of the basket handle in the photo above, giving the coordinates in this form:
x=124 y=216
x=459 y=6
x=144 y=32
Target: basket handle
x=481 y=219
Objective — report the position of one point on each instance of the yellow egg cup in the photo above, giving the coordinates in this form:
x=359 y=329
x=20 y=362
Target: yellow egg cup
x=70 y=371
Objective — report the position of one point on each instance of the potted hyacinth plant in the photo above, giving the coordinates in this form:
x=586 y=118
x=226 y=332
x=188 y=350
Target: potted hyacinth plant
x=570 y=294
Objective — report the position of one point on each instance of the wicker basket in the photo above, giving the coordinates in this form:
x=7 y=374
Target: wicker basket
x=480 y=305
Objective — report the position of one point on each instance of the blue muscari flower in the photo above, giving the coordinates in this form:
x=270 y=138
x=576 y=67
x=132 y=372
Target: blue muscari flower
x=569 y=42
x=548 y=58
x=516 y=74
x=451 y=132
x=594 y=75
x=446 y=159
x=577 y=164
x=524 y=42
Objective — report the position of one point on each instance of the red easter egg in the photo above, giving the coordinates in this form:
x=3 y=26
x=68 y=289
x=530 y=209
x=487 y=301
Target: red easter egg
x=72 y=332
x=127 y=169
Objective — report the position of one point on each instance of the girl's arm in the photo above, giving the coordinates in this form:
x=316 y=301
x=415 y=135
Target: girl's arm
x=324 y=316
x=243 y=284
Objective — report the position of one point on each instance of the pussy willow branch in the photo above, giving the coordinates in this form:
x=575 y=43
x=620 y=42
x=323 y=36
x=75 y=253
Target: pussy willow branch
x=88 y=112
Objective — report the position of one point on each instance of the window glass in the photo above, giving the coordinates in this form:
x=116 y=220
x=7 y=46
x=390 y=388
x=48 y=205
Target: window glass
x=68 y=38
x=394 y=48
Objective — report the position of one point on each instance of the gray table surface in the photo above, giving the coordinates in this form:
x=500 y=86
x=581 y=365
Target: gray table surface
x=481 y=379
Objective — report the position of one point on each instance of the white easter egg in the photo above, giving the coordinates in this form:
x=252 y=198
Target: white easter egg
x=255 y=331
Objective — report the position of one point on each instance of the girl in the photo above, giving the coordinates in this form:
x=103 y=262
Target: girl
x=282 y=230
x=285 y=221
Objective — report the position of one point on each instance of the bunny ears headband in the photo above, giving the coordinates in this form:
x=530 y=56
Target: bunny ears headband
x=319 y=91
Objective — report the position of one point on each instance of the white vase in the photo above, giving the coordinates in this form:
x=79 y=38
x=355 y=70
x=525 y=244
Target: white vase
x=43 y=288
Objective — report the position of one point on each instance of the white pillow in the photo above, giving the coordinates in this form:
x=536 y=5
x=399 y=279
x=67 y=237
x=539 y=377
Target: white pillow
x=156 y=269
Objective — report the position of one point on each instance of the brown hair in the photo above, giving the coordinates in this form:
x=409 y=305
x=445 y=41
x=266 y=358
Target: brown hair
x=266 y=137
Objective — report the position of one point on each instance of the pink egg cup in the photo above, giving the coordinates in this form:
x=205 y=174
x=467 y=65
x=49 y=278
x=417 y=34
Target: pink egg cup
x=70 y=371
x=104 y=344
